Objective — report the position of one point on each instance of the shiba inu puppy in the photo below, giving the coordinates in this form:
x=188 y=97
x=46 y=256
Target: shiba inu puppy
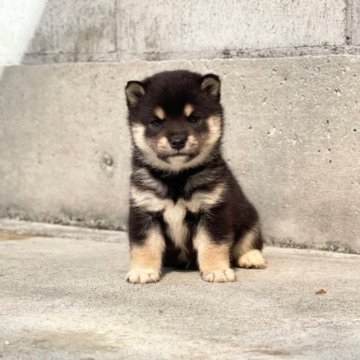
x=186 y=208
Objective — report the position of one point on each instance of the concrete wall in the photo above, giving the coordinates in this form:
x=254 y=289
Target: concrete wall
x=75 y=30
x=353 y=22
x=292 y=120
x=292 y=138
x=104 y=30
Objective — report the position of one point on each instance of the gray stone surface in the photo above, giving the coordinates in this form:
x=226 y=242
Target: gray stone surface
x=82 y=31
x=58 y=141
x=67 y=299
x=354 y=21
x=105 y=30
x=85 y=28
x=26 y=228
x=292 y=138
x=179 y=29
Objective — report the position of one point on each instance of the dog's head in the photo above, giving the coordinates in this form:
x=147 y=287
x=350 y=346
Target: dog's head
x=175 y=118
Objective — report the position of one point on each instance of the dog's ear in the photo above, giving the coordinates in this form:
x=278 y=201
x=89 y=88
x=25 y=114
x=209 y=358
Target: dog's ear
x=211 y=84
x=134 y=90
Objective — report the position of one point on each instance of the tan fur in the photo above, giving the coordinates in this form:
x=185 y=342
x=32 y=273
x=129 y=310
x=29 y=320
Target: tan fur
x=214 y=259
x=146 y=259
x=163 y=146
x=159 y=113
x=147 y=199
x=243 y=251
x=144 y=176
x=214 y=128
x=245 y=244
x=138 y=133
x=179 y=163
x=252 y=259
x=204 y=200
x=192 y=144
x=188 y=110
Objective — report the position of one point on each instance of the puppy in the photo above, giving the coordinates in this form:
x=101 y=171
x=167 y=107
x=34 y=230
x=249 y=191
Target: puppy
x=186 y=208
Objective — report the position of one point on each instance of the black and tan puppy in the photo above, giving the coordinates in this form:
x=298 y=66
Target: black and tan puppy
x=186 y=208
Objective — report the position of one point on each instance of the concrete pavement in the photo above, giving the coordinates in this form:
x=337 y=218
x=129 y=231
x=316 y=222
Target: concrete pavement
x=64 y=297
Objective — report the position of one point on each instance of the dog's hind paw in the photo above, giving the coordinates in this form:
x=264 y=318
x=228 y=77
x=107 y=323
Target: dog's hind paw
x=252 y=259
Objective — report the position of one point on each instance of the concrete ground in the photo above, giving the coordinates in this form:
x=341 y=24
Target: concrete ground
x=63 y=296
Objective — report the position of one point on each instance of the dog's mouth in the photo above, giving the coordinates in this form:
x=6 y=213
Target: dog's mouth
x=177 y=154
x=178 y=159
x=184 y=155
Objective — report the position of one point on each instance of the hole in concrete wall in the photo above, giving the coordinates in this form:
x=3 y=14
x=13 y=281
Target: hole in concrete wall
x=107 y=164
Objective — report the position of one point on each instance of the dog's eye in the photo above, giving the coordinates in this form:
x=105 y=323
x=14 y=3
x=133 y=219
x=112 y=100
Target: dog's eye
x=194 y=119
x=155 y=124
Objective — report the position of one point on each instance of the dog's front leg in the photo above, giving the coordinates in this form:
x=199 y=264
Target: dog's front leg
x=147 y=246
x=213 y=257
x=146 y=258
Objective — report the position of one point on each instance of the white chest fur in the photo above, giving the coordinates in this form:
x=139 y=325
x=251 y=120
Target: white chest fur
x=174 y=213
x=174 y=216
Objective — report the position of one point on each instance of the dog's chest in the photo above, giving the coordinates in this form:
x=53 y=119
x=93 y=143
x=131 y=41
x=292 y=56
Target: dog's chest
x=174 y=207
x=174 y=212
x=174 y=216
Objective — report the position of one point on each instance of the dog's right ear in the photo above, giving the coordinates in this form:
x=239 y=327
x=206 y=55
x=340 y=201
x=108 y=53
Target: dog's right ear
x=134 y=90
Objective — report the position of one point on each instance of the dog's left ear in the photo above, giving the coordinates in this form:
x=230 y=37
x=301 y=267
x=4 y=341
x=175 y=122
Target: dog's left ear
x=211 y=84
x=134 y=90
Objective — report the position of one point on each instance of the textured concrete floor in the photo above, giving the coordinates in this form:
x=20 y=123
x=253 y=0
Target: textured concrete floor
x=65 y=298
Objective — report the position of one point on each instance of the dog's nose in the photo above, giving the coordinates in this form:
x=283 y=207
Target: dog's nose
x=177 y=142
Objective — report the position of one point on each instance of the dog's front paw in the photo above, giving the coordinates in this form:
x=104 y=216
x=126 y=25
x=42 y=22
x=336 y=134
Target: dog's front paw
x=220 y=276
x=142 y=276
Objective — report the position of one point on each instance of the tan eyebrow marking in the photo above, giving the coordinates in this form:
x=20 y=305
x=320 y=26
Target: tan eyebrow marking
x=160 y=113
x=188 y=109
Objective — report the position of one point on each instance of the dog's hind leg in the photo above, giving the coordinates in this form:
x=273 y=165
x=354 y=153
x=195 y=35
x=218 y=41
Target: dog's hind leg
x=246 y=252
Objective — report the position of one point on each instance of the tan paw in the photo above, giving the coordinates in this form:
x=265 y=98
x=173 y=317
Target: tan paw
x=252 y=259
x=221 y=276
x=142 y=276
